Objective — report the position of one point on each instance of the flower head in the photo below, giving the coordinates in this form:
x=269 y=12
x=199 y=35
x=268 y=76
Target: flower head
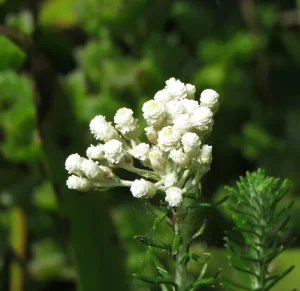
x=170 y=179
x=209 y=98
x=102 y=129
x=142 y=189
x=182 y=123
x=92 y=170
x=73 y=164
x=202 y=118
x=179 y=157
x=157 y=160
x=141 y=151
x=126 y=123
x=95 y=152
x=206 y=154
x=176 y=89
x=163 y=96
x=190 y=89
x=154 y=113
x=174 y=196
x=173 y=109
x=79 y=183
x=113 y=152
x=191 y=143
x=168 y=138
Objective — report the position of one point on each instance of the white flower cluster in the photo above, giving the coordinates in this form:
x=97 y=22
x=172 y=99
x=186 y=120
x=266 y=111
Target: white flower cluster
x=174 y=160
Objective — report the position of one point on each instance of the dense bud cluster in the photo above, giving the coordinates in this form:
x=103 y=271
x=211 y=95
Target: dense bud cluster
x=174 y=160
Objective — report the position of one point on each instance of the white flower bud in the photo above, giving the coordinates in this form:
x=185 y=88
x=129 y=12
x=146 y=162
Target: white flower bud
x=170 y=180
x=95 y=152
x=113 y=152
x=202 y=118
x=79 y=183
x=141 y=151
x=154 y=113
x=73 y=164
x=173 y=109
x=174 y=196
x=168 y=138
x=92 y=170
x=176 y=89
x=102 y=129
x=163 y=96
x=206 y=154
x=142 y=189
x=191 y=143
x=157 y=159
x=151 y=134
x=189 y=106
x=182 y=123
x=190 y=89
x=126 y=123
x=209 y=98
x=179 y=157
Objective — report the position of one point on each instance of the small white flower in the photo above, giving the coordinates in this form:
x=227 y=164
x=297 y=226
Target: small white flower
x=92 y=170
x=142 y=189
x=209 y=98
x=170 y=180
x=157 y=159
x=154 y=113
x=176 y=89
x=173 y=109
x=182 y=123
x=113 y=152
x=189 y=106
x=190 y=89
x=191 y=143
x=202 y=118
x=102 y=129
x=95 y=152
x=179 y=157
x=79 y=183
x=73 y=164
x=163 y=96
x=151 y=134
x=206 y=154
x=141 y=151
x=125 y=122
x=174 y=196
x=168 y=138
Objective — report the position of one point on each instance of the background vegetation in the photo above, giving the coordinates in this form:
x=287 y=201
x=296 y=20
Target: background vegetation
x=89 y=57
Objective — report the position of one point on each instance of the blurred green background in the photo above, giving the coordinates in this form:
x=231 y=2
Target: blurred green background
x=88 y=57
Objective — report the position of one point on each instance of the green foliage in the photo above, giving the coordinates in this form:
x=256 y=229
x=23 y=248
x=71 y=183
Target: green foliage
x=260 y=223
x=110 y=54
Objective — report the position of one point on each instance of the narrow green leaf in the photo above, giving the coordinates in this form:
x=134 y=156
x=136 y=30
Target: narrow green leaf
x=153 y=243
x=201 y=282
x=160 y=218
x=199 y=259
x=279 y=278
x=159 y=266
x=155 y=280
x=176 y=244
x=200 y=231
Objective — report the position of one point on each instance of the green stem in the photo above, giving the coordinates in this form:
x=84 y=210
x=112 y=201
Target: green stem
x=181 y=227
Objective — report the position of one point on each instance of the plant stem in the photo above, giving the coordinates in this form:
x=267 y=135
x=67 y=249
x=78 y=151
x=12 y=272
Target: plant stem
x=181 y=228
